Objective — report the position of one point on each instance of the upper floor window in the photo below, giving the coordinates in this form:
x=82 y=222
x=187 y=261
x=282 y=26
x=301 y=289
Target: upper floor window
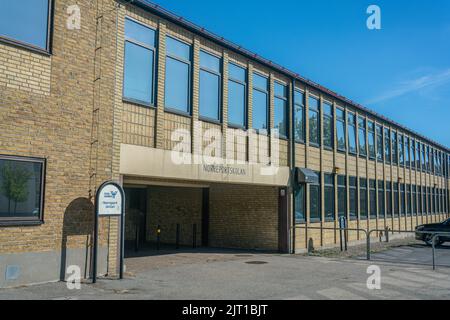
x=328 y=125
x=424 y=163
x=394 y=139
x=26 y=22
x=237 y=96
x=418 y=162
x=21 y=190
x=387 y=144
x=281 y=109
x=210 y=88
x=362 y=136
x=260 y=102
x=407 y=152
x=139 y=63
x=427 y=158
x=371 y=139
x=314 y=123
x=412 y=153
x=401 y=150
x=340 y=129
x=351 y=133
x=299 y=116
x=178 y=75
x=379 y=134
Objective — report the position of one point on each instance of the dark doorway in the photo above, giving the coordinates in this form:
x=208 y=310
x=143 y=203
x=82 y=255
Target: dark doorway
x=135 y=217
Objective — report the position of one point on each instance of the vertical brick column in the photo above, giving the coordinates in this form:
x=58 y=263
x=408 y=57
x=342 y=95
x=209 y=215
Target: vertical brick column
x=197 y=145
x=250 y=156
x=161 y=65
x=224 y=103
x=322 y=177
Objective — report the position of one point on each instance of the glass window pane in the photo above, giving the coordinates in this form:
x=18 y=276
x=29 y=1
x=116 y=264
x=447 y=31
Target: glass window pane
x=177 y=85
x=259 y=110
x=328 y=131
x=315 y=202
x=138 y=73
x=236 y=103
x=25 y=21
x=209 y=95
x=280 y=117
x=340 y=129
x=342 y=196
x=280 y=90
x=209 y=61
x=300 y=204
x=260 y=82
x=178 y=49
x=313 y=103
x=314 y=127
x=20 y=189
x=299 y=123
x=299 y=98
x=139 y=33
x=237 y=73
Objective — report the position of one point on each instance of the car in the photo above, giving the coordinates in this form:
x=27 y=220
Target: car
x=444 y=227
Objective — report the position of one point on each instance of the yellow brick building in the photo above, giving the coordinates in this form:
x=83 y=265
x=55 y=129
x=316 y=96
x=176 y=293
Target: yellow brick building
x=132 y=89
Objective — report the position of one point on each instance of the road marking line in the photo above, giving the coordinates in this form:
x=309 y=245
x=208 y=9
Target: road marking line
x=339 y=294
x=434 y=274
x=386 y=294
x=422 y=279
x=299 y=298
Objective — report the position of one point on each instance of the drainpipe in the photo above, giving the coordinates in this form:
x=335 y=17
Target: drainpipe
x=292 y=166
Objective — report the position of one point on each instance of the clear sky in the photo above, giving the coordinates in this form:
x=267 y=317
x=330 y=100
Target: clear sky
x=401 y=71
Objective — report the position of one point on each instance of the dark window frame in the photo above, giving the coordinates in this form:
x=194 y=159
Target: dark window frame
x=318 y=112
x=286 y=108
x=330 y=117
x=302 y=106
x=245 y=85
x=11 y=221
x=333 y=191
x=342 y=121
x=219 y=91
x=265 y=91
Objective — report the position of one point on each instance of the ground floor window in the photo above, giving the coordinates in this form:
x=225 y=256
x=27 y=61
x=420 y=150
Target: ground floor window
x=21 y=189
x=329 y=197
x=314 y=201
x=342 y=196
x=300 y=204
x=353 y=198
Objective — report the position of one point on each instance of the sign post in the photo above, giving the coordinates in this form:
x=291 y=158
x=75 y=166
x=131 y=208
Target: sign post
x=109 y=202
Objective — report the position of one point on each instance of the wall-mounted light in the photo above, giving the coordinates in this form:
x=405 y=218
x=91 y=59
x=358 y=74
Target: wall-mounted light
x=337 y=170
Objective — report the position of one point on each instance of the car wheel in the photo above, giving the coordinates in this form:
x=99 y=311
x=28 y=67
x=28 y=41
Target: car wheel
x=429 y=240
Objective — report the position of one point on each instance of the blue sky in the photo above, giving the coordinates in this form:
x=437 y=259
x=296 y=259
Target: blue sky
x=401 y=71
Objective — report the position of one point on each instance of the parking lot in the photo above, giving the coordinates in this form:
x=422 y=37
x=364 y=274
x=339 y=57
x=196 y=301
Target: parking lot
x=226 y=274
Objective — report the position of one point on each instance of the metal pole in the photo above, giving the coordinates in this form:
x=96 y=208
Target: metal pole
x=368 y=246
x=340 y=239
x=122 y=238
x=434 y=256
x=94 y=263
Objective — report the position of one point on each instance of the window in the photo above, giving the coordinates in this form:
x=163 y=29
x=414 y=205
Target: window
x=362 y=137
x=178 y=76
x=371 y=139
x=427 y=159
x=408 y=200
x=300 y=204
x=407 y=152
x=424 y=201
x=299 y=116
x=381 y=205
x=389 y=199
x=21 y=190
x=424 y=163
x=387 y=145
x=260 y=103
x=414 y=200
x=373 y=198
x=139 y=63
x=363 y=198
x=210 y=87
x=394 y=147
x=351 y=128
x=281 y=110
x=403 y=199
x=340 y=129
x=396 y=199
x=328 y=126
x=342 y=196
x=314 y=124
x=329 y=197
x=315 y=208
x=418 y=162
x=401 y=150
x=237 y=92
x=421 y=199
x=26 y=22
x=353 y=198
x=412 y=153
x=380 y=154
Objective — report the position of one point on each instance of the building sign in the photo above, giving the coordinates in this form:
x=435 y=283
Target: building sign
x=221 y=169
x=109 y=200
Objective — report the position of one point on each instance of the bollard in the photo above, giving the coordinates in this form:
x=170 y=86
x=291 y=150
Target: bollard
x=158 y=237
x=177 y=237
x=194 y=236
x=386 y=231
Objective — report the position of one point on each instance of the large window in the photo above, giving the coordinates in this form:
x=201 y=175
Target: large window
x=314 y=197
x=424 y=163
x=418 y=162
x=389 y=199
x=237 y=96
x=363 y=198
x=139 y=63
x=394 y=139
x=362 y=136
x=342 y=196
x=314 y=124
x=178 y=76
x=300 y=216
x=353 y=198
x=26 y=22
x=396 y=198
x=260 y=103
x=210 y=86
x=408 y=200
x=371 y=139
x=340 y=129
x=299 y=116
x=379 y=133
x=373 y=199
x=407 y=152
x=401 y=150
x=329 y=197
x=21 y=190
x=328 y=127
x=427 y=158
x=381 y=205
x=351 y=133
x=281 y=110
x=403 y=199
x=387 y=145
x=414 y=200
x=412 y=154
x=421 y=198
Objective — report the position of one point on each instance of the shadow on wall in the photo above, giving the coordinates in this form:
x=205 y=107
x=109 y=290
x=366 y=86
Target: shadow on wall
x=78 y=221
